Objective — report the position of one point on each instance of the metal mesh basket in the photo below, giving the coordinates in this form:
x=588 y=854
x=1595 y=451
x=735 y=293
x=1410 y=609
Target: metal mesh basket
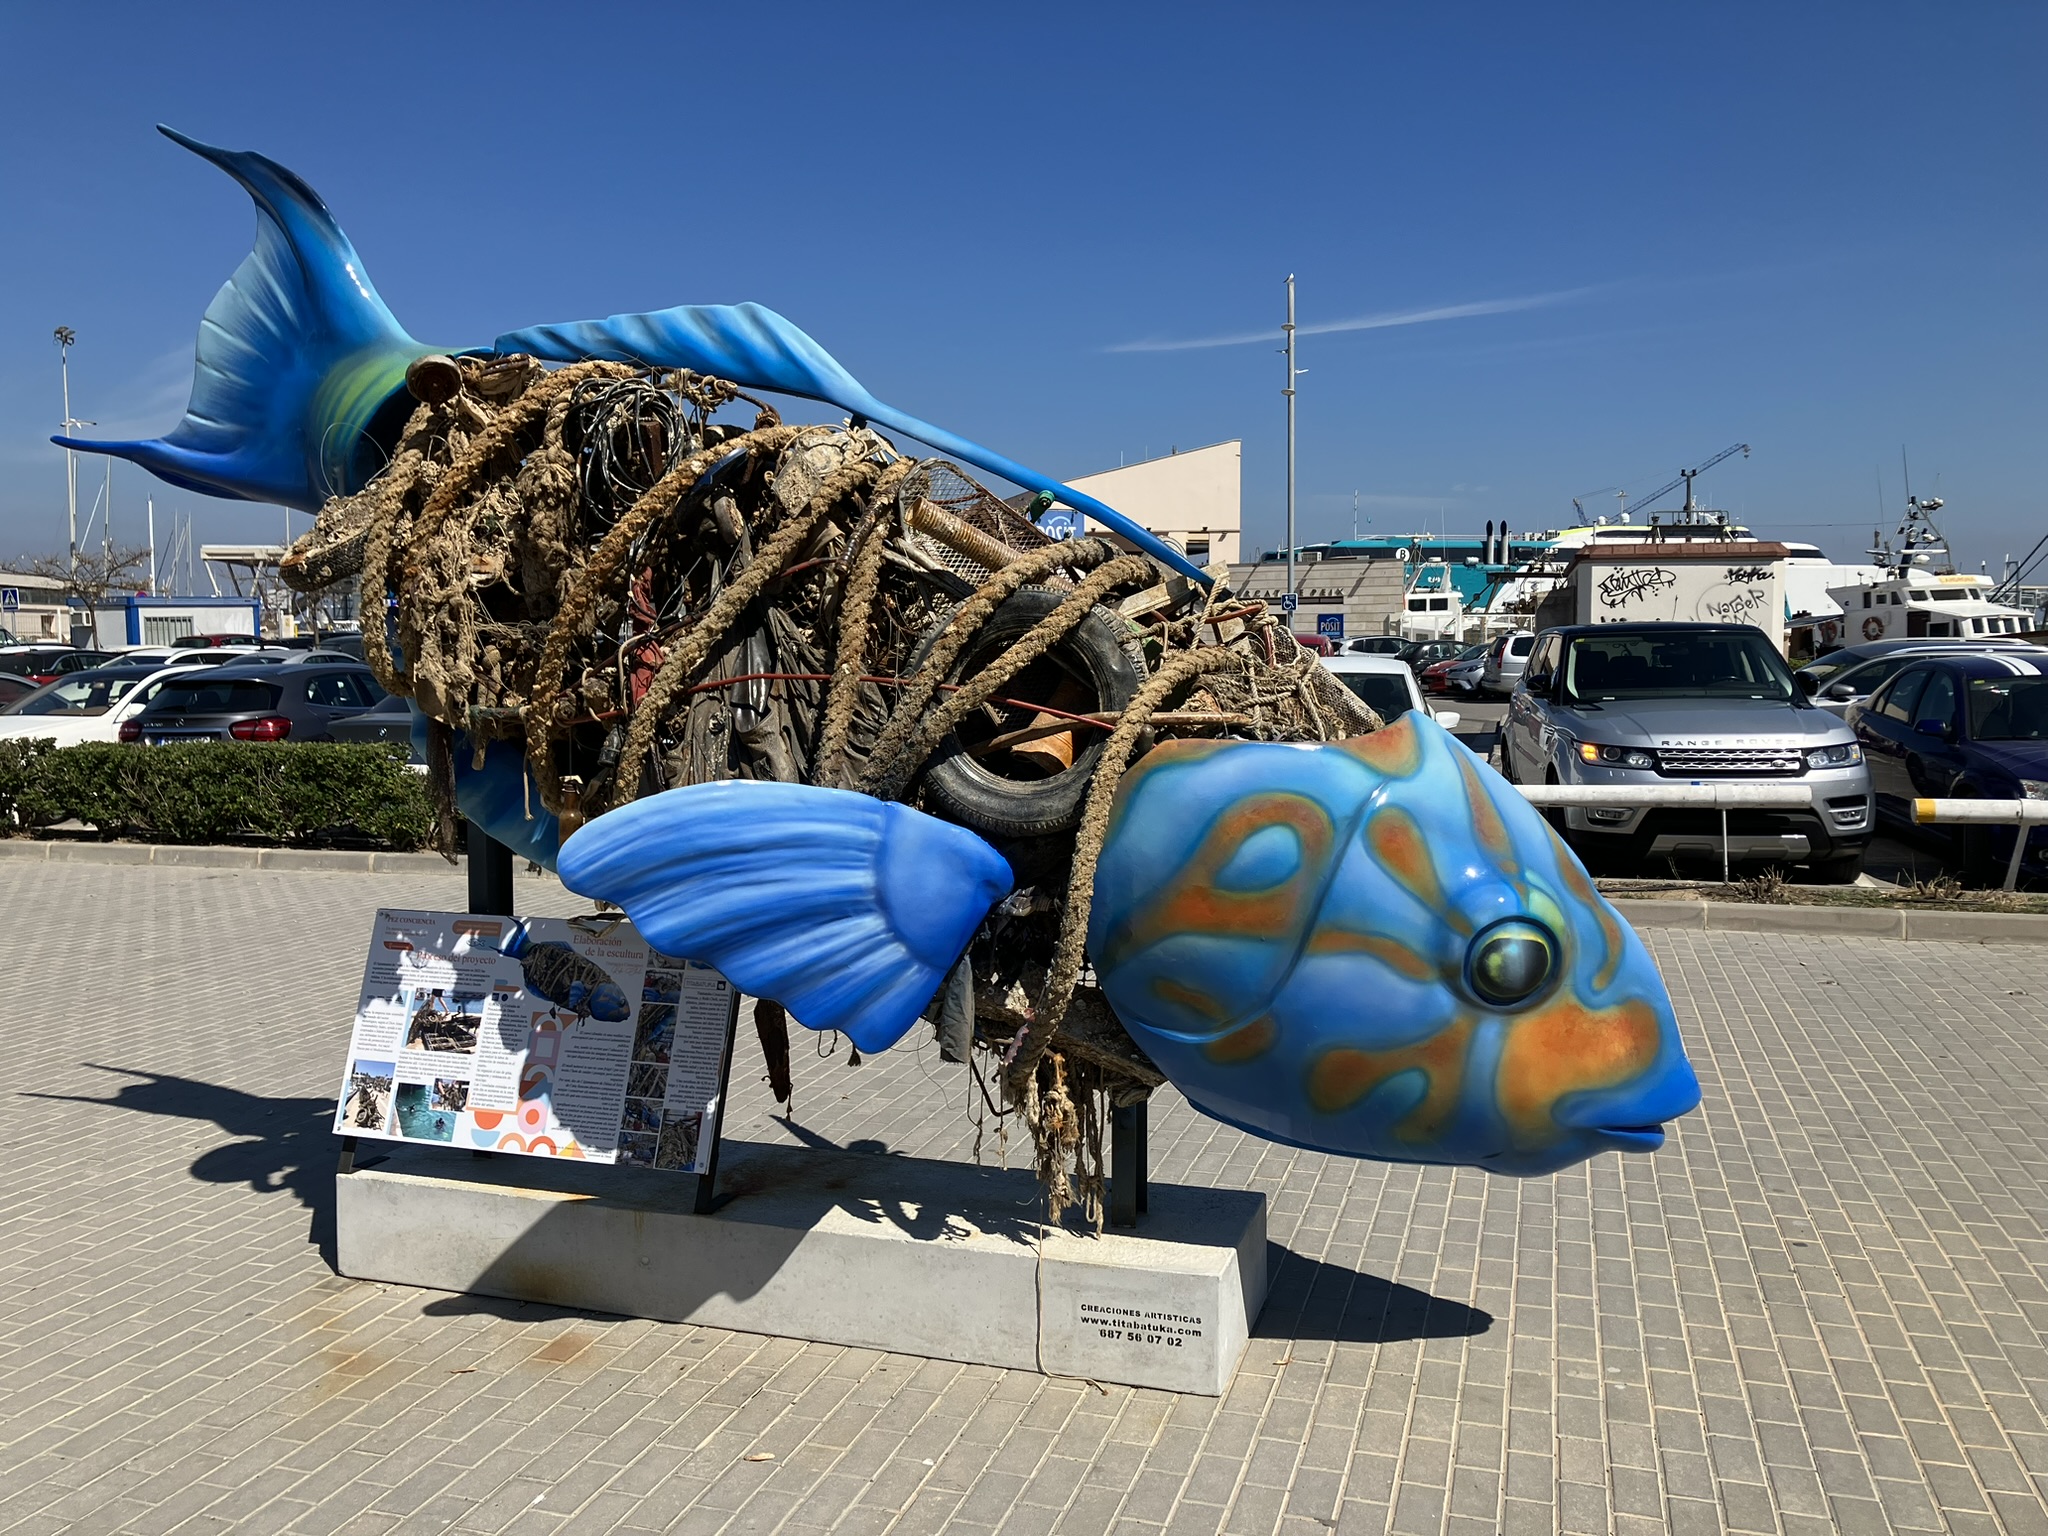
x=941 y=485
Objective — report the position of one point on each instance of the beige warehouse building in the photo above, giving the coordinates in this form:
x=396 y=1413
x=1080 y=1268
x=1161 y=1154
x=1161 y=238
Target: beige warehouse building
x=1193 y=499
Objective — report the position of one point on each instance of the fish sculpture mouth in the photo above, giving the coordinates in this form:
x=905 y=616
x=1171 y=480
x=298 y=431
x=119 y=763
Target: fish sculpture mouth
x=1633 y=1138
x=1378 y=948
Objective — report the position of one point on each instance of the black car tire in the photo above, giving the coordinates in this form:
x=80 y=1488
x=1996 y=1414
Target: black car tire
x=1840 y=870
x=961 y=789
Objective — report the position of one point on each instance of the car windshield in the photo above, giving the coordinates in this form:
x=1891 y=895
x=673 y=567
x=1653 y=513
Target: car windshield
x=1821 y=671
x=1684 y=665
x=214 y=696
x=2009 y=708
x=79 y=696
x=1385 y=695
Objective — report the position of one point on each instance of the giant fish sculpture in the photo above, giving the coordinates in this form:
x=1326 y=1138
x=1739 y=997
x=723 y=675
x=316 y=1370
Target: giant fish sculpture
x=1373 y=947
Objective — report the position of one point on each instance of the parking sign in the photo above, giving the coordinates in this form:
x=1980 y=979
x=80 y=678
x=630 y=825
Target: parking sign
x=1330 y=625
x=1289 y=601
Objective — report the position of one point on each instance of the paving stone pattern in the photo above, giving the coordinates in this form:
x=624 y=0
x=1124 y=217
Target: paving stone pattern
x=1821 y=1308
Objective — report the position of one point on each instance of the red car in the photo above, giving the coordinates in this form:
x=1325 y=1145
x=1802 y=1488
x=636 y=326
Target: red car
x=1436 y=678
x=1320 y=644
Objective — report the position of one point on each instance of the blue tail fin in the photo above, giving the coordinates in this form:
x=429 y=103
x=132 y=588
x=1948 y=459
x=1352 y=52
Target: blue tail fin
x=297 y=354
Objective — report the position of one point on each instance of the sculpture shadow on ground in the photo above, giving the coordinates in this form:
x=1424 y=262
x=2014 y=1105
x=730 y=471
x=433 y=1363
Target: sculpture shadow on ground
x=280 y=1145
x=1311 y=1299
x=287 y=1145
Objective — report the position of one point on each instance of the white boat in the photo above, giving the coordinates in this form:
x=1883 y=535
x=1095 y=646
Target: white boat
x=1914 y=592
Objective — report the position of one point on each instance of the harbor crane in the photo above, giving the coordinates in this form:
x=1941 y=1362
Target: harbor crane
x=1685 y=478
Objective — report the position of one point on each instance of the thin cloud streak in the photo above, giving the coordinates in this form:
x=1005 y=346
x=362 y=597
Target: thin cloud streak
x=1379 y=322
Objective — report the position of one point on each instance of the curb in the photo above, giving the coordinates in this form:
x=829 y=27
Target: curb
x=306 y=860
x=1841 y=922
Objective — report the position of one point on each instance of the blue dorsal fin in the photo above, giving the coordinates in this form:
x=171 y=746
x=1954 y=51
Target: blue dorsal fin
x=295 y=356
x=754 y=346
x=847 y=910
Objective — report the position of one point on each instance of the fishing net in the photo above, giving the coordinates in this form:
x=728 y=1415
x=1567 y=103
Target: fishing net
x=586 y=562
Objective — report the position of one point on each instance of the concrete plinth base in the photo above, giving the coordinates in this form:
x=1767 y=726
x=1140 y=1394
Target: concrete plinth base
x=901 y=1254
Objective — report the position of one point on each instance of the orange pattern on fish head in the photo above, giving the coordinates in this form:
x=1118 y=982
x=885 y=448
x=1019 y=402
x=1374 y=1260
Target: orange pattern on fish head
x=1192 y=901
x=1343 y=1076
x=1394 y=750
x=1582 y=890
x=1396 y=841
x=1565 y=1048
x=1243 y=1044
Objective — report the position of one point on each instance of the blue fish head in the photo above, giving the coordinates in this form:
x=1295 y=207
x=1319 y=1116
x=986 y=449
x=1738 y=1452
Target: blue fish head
x=1377 y=947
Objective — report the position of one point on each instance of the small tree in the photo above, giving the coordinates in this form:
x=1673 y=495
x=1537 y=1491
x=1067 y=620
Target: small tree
x=97 y=576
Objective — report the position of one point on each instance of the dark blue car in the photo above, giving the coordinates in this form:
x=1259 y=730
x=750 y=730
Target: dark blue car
x=1961 y=727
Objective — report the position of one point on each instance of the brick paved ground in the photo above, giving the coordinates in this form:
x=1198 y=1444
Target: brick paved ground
x=1821 y=1308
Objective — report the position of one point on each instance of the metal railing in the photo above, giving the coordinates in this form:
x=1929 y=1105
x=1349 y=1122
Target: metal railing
x=2020 y=814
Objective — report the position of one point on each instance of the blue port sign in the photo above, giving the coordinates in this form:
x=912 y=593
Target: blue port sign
x=1330 y=625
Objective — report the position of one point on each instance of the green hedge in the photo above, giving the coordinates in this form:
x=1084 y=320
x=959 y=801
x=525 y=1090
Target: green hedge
x=220 y=792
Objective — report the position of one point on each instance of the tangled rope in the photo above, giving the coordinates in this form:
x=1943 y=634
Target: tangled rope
x=583 y=562
x=1176 y=673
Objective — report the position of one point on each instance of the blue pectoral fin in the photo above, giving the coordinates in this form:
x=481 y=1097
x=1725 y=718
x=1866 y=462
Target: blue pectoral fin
x=849 y=911
x=296 y=356
x=756 y=347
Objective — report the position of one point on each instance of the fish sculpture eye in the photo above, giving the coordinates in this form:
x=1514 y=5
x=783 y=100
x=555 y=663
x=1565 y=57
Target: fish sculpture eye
x=1511 y=961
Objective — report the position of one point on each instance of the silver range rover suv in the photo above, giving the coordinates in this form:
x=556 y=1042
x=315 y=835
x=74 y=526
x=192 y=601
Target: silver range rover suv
x=1633 y=704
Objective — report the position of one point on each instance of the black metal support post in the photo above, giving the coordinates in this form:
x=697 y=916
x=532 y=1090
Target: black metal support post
x=708 y=1199
x=490 y=874
x=1129 y=1192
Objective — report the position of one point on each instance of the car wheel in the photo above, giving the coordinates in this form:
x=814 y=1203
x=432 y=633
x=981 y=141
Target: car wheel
x=1840 y=870
x=1554 y=814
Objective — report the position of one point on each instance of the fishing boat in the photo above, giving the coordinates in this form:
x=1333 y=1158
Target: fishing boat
x=1914 y=591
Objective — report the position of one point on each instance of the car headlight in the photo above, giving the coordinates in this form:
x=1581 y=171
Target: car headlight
x=1845 y=754
x=2034 y=789
x=1615 y=757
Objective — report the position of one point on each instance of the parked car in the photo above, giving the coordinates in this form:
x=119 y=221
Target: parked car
x=46 y=663
x=1962 y=726
x=1456 y=674
x=390 y=719
x=1376 y=645
x=1629 y=704
x=1388 y=687
x=1852 y=674
x=1322 y=645
x=13 y=688
x=1505 y=662
x=278 y=702
x=1425 y=654
x=87 y=706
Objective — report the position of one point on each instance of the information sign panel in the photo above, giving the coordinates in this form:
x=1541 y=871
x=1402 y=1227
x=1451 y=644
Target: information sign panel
x=1330 y=625
x=552 y=1037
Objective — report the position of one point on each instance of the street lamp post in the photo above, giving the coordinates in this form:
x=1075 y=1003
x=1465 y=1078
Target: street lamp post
x=64 y=337
x=1289 y=393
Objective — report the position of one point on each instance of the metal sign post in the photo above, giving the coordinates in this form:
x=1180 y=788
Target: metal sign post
x=708 y=1198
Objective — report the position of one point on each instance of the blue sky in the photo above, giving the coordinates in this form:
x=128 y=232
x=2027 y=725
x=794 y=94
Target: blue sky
x=1623 y=236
